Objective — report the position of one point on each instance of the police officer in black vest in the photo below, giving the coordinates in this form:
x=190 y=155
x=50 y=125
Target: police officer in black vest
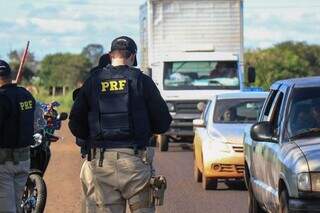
x=117 y=110
x=16 y=135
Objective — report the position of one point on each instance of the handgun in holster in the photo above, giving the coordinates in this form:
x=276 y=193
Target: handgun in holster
x=159 y=186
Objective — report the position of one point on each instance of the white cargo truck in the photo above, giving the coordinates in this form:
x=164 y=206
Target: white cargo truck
x=193 y=49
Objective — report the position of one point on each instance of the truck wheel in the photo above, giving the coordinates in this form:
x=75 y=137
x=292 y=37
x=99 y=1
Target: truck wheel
x=208 y=183
x=163 y=142
x=196 y=173
x=284 y=205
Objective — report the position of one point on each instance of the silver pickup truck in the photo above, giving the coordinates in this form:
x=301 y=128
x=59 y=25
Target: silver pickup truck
x=282 y=150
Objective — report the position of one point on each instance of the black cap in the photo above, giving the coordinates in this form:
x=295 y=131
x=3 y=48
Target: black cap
x=5 y=69
x=125 y=43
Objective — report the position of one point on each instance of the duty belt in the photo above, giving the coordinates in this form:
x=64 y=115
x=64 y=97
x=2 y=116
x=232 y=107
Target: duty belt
x=14 y=155
x=93 y=152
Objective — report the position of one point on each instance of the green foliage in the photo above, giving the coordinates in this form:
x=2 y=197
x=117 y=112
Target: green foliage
x=64 y=69
x=29 y=68
x=65 y=101
x=284 y=60
x=93 y=53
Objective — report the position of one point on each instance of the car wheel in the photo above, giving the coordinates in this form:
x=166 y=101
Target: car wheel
x=163 y=142
x=196 y=173
x=284 y=205
x=208 y=183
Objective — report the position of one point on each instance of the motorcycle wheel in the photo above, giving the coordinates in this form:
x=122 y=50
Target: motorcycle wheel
x=36 y=192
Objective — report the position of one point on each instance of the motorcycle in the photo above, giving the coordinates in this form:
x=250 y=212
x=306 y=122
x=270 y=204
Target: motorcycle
x=47 y=121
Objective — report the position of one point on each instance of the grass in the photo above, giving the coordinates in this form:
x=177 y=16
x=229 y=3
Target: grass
x=65 y=101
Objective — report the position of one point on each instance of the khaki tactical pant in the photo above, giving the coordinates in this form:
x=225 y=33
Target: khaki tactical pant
x=86 y=177
x=12 y=182
x=123 y=177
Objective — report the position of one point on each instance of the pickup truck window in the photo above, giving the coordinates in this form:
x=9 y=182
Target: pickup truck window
x=269 y=103
x=304 y=112
x=187 y=75
x=275 y=119
x=237 y=110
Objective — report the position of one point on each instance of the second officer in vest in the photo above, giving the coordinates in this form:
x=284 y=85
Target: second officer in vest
x=16 y=135
x=117 y=110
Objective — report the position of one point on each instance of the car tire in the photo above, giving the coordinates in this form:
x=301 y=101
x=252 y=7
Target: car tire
x=163 y=141
x=196 y=173
x=208 y=183
x=284 y=204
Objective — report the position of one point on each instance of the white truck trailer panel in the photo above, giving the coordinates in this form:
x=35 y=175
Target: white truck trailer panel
x=172 y=26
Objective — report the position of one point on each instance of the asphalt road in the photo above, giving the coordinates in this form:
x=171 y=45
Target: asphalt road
x=183 y=194
x=186 y=196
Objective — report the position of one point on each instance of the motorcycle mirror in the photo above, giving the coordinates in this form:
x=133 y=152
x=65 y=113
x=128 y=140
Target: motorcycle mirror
x=63 y=116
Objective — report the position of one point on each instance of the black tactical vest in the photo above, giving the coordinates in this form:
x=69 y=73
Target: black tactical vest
x=118 y=115
x=18 y=129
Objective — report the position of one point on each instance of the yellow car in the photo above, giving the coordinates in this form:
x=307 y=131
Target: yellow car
x=218 y=141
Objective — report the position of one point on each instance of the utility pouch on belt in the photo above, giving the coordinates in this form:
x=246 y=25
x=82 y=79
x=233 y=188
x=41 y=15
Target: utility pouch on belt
x=159 y=186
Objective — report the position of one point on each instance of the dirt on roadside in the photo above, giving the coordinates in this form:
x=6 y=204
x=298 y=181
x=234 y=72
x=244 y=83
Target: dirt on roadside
x=62 y=176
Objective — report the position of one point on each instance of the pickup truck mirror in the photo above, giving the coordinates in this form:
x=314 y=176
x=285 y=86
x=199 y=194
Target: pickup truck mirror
x=262 y=131
x=251 y=75
x=199 y=123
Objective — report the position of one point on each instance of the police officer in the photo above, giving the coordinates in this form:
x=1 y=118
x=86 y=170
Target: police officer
x=16 y=135
x=86 y=176
x=118 y=109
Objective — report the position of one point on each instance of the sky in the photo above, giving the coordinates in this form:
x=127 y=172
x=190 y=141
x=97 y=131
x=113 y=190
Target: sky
x=69 y=25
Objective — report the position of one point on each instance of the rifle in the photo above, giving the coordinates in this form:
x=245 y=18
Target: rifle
x=22 y=62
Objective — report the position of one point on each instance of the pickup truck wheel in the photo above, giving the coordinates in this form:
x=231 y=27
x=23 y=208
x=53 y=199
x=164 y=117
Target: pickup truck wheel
x=208 y=183
x=163 y=142
x=196 y=173
x=284 y=205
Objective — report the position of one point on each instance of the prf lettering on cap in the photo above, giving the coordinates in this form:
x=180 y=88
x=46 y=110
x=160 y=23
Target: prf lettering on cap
x=26 y=105
x=114 y=86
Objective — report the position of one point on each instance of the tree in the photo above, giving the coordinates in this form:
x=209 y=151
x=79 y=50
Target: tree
x=30 y=67
x=63 y=69
x=284 y=60
x=93 y=53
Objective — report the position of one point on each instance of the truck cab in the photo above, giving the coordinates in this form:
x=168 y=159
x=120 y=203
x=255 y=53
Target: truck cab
x=187 y=80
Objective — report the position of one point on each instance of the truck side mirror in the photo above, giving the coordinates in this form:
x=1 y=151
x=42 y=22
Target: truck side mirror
x=199 y=123
x=262 y=131
x=201 y=106
x=251 y=75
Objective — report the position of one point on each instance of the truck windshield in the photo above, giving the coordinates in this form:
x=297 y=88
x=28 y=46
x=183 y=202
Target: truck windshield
x=201 y=75
x=304 y=114
x=237 y=110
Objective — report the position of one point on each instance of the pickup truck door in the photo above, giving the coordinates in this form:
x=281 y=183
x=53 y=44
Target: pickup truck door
x=271 y=149
x=260 y=150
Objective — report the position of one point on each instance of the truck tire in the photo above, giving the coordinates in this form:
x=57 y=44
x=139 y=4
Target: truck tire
x=163 y=141
x=208 y=183
x=284 y=205
x=196 y=173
